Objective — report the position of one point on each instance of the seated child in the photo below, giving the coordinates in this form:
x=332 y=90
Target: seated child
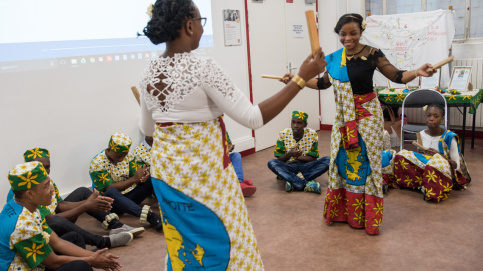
x=440 y=168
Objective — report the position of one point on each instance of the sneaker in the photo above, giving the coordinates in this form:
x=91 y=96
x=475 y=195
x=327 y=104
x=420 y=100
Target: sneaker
x=155 y=220
x=312 y=186
x=247 y=190
x=249 y=182
x=288 y=187
x=125 y=228
x=120 y=239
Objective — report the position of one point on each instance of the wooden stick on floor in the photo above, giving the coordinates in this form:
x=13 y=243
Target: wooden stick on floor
x=136 y=94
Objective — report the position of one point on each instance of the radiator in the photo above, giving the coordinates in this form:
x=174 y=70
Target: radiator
x=415 y=115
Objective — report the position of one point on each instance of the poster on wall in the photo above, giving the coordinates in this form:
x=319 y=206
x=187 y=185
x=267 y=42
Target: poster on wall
x=297 y=30
x=232 y=27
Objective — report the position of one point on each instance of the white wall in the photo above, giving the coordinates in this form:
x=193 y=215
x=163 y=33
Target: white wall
x=73 y=112
x=234 y=61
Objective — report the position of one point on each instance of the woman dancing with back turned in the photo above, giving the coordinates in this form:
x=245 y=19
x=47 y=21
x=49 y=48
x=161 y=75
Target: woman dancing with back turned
x=206 y=224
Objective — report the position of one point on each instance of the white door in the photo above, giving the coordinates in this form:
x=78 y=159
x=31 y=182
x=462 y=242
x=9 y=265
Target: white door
x=274 y=50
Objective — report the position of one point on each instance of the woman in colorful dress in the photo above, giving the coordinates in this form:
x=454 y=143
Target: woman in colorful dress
x=355 y=190
x=206 y=223
x=440 y=168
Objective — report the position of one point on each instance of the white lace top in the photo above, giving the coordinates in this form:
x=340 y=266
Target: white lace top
x=196 y=90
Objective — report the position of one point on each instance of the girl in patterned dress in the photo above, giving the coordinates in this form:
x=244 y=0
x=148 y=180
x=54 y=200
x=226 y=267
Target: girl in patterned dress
x=206 y=223
x=440 y=168
x=355 y=190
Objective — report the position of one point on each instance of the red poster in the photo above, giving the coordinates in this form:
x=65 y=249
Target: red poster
x=290 y=1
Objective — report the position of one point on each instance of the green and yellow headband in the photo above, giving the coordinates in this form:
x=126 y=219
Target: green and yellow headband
x=27 y=175
x=32 y=154
x=300 y=115
x=120 y=143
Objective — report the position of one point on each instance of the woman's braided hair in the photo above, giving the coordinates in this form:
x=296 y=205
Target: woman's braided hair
x=168 y=19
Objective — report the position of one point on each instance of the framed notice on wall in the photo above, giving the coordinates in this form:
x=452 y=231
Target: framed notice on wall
x=430 y=82
x=460 y=78
x=232 y=27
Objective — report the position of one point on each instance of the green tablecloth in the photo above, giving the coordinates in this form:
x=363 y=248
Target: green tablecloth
x=470 y=98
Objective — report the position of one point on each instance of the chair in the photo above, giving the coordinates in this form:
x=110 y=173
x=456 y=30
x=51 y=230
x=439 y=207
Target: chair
x=420 y=98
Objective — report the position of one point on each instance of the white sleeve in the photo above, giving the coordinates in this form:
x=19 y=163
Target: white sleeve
x=231 y=100
x=454 y=154
x=146 y=123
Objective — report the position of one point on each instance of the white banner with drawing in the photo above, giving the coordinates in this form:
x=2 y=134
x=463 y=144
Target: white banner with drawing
x=412 y=39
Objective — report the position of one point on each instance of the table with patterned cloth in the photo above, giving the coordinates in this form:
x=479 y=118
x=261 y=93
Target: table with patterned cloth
x=471 y=99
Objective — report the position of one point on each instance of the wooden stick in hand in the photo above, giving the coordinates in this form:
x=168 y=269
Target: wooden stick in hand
x=314 y=36
x=415 y=143
x=274 y=77
x=440 y=64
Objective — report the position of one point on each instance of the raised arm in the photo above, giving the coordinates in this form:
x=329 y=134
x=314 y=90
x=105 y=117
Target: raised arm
x=237 y=106
x=396 y=75
x=313 y=83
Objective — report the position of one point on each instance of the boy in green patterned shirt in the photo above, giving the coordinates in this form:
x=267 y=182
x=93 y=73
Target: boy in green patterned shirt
x=296 y=154
x=115 y=173
x=27 y=242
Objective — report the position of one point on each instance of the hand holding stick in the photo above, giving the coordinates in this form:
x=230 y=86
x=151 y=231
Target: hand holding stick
x=274 y=77
x=440 y=64
x=415 y=143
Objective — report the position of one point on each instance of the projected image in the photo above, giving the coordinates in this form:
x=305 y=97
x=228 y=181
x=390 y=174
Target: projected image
x=54 y=33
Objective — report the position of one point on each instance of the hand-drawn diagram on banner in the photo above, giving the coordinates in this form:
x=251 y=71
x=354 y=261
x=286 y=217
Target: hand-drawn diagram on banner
x=411 y=40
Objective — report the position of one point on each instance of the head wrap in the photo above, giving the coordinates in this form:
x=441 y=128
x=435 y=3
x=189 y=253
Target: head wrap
x=120 y=143
x=27 y=175
x=300 y=115
x=31 y=154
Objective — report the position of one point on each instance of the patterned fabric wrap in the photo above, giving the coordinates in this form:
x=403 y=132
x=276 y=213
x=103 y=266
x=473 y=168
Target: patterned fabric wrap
x=27 y=235
x=104 y=173
x=309 y=144
x=120 y=143
x=27 y=175
x=206 y=222
x=388 y=167
x=31 y=154
x=434 y=173
x=142 y=155
x=44 y=210
x=300 y=115
x=362 y=114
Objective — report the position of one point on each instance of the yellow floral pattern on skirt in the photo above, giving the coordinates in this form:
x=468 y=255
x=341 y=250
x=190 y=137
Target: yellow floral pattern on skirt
x=189 y=158
x=371 y=131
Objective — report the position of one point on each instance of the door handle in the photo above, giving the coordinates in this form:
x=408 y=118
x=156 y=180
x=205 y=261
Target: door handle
x=290 y=69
